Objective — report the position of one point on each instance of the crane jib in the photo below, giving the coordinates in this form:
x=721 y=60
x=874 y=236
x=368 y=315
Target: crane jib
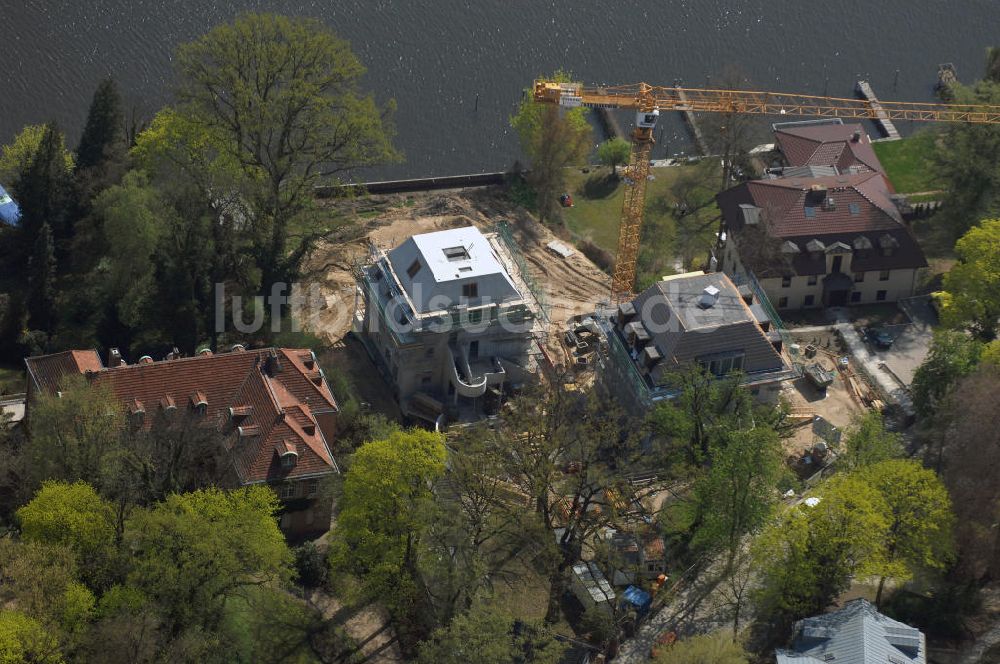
x=648 y=100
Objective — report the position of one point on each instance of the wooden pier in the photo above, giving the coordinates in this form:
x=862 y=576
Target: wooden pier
x=864 y=89
x=699 y=140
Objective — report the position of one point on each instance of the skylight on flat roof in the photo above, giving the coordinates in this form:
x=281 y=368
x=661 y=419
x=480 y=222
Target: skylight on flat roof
x=456 y=253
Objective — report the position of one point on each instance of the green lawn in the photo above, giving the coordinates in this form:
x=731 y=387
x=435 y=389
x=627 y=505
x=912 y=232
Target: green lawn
x=11 y=380
x=596 y=215
x=907 y=162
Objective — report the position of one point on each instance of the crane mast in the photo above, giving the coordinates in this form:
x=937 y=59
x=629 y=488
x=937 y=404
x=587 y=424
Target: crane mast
x=648 y=101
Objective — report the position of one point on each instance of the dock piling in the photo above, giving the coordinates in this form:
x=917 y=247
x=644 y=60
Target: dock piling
x=864 y=90
x=699 y=140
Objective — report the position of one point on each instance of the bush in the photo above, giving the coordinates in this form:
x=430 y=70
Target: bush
x=941 y=613
x=310 y=566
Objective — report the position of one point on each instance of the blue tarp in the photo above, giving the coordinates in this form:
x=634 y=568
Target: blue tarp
x=10 y=213
x=638 y=598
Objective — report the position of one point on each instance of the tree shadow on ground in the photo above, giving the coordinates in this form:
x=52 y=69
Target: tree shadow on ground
x=600 y=185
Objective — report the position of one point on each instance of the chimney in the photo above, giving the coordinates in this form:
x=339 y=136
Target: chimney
x=173 y=354
x=272 y=365
x=708 y=297
x=856 y=137
x=817 y=192
x=115 y=358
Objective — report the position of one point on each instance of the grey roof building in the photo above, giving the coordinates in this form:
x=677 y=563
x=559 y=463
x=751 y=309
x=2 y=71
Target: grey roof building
x=448 y=319
x=693 y=318
x=856 y=634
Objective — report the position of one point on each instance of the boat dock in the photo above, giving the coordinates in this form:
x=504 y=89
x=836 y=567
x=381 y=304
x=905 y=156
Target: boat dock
x=699 y=140
x=864 y=89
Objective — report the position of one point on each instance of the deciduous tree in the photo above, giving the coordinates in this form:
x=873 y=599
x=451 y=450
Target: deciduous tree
x=24 y=639
x=614 y=152
x=920 y=518
x=867 y=442
x=568 y=450
x=717 y=648
x=195 y=551
x=967 y=160
x=736 y=495
x=972 y=286
x=73 y=515
x=480 y=528
x=385 y=505
x=808 y=556
x=553 y=139
x=69 y=433
x=281 y=99
x=16 y=157
x=490 y=636
x=952 y=355
x=968 y=440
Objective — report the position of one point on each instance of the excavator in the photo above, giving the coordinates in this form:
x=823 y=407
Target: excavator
x=648 y=101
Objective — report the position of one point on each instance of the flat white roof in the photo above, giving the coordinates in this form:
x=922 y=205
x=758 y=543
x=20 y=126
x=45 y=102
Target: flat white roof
x=446 y=268
x=458 y=253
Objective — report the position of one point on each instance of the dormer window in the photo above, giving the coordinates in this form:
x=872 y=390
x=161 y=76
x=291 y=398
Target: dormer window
x=239 y=413
x=167 y=405
x=815 y=249
x=137 y=412
x=862 y=246
x=287 y=454
x=888 y=244
x=199 y=402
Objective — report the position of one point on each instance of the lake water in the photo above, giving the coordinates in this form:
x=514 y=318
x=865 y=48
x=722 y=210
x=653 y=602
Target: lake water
x=436 y=56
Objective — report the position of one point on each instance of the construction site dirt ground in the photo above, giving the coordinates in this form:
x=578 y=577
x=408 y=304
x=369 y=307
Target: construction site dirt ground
x=837 y=405
x=570 y=285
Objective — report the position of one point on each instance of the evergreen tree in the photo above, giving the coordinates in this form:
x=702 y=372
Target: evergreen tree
x=41 y=281
x=102 y=135
x=42 y=190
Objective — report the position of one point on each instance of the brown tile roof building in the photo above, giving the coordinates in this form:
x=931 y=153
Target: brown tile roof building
x=846 y=147
x=854 y=209
x=273 y=404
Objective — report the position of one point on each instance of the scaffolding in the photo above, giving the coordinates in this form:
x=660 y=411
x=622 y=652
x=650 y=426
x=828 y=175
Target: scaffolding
x=503 y=231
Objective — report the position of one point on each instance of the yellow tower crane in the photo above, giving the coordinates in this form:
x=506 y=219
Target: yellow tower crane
x=647 y=101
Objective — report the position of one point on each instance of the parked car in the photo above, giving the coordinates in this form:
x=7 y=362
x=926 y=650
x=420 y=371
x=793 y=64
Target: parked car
x=879 y=338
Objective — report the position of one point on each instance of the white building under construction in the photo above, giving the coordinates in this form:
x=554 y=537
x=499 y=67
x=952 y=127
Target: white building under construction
x=450 y=322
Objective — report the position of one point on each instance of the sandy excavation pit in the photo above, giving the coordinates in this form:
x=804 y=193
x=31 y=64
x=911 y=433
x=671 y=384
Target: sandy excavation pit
x=571 y=286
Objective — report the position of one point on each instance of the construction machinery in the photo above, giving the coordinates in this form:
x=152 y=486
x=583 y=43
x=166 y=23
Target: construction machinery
x=648 y=101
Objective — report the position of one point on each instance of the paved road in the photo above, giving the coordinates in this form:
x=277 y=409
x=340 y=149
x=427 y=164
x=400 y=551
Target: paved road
x=875 y=367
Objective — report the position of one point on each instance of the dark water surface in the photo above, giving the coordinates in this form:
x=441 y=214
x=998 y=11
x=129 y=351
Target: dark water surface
x=435 y=56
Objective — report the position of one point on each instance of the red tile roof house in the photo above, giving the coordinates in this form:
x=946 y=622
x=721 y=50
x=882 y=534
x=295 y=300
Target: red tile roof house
x=273 y=406
x=846 y=147
x=819 y=241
